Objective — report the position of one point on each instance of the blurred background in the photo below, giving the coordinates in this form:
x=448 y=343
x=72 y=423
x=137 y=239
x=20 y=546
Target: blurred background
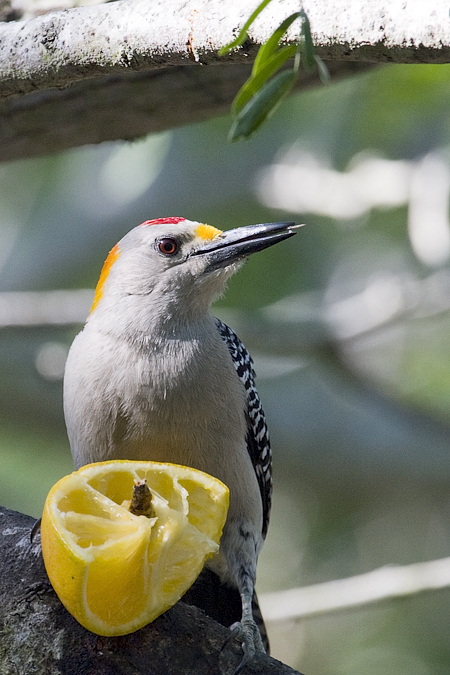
x=348 y=323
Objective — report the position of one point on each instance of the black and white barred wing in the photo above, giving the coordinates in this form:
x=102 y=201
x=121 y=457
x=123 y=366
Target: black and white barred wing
x=258 y=443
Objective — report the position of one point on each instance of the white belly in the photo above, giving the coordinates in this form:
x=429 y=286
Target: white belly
x=183 y=404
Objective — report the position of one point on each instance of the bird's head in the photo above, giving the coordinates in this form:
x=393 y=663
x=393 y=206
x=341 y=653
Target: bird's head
x=174 y=265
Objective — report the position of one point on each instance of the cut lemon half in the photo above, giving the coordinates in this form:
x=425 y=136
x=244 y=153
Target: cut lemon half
x=115 y=571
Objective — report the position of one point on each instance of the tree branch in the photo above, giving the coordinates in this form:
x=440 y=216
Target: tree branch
x=63 y=47
x=39 y=636
x=129 y=69
x=384 y=583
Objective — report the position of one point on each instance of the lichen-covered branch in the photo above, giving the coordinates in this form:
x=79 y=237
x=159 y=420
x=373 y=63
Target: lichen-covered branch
x=66 y=46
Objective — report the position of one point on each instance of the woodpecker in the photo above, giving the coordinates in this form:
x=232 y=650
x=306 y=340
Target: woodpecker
x=154 y=376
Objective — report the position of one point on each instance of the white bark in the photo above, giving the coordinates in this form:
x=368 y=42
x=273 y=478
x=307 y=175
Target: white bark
x=74 y=44
x=403 y=31
x=65 y=46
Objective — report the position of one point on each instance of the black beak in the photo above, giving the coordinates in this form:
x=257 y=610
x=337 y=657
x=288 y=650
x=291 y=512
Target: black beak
x=236 y=244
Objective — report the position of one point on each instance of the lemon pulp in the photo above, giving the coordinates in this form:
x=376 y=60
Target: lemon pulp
x=115 y=571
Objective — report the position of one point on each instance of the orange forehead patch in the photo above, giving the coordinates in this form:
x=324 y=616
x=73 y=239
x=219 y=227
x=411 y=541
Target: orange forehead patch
x=207 y=231
x=109 y=262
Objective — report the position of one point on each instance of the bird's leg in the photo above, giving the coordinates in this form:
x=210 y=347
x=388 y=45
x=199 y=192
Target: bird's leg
x=246 y=629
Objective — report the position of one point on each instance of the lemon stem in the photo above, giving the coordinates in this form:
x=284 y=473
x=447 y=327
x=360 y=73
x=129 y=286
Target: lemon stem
x=141 y=501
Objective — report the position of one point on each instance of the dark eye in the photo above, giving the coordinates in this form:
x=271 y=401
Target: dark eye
x=168 y=246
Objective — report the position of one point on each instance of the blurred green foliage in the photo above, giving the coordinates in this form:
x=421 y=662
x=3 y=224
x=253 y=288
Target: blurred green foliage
x=359 y=417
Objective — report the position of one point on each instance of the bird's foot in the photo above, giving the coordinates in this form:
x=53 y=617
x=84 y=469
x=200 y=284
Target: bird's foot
x=247 y=632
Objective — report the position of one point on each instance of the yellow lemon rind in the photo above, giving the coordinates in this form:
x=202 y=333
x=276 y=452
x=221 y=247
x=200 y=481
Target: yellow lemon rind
x=150 y=564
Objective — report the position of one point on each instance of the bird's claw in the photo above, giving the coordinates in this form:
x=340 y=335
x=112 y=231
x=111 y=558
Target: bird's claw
x=35 y=529
x=247 y=632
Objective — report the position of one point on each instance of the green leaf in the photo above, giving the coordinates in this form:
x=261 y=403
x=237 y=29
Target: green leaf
x=267 y=50
x=323 y=70
x=243 y=33
x=308 y=46
x=262 y=105
x=254 y=83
